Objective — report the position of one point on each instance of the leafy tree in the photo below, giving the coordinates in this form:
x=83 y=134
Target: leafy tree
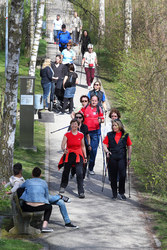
x=8 y=126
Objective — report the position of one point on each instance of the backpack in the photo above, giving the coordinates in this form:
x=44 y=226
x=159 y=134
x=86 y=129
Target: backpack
x=71 y=80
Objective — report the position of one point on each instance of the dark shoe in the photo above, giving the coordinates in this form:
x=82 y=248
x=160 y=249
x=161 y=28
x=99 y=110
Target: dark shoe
x=47 y=230
x=81 y=196
x=114 y=198
x=121 y=197
x=66 y=199
x=70 y=225
x=62 y=190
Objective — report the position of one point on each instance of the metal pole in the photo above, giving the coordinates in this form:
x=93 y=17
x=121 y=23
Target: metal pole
x=6 y=40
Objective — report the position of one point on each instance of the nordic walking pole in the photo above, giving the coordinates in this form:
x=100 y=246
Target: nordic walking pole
x=104 y=166
x=129 y=180
x=58 y=129
x=81 y=76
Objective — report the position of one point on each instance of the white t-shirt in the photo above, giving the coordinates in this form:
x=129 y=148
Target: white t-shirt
x=107 y=128
x=57 y=24
x=90 y=59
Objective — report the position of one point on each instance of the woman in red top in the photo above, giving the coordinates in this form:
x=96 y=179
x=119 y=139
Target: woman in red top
x=74 y=155
x=115 y=145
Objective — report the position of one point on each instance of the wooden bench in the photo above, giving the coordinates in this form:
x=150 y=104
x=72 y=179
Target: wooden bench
x=22 y=219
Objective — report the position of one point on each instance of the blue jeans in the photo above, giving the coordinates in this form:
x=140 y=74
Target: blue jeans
x=55 y=34
x=94 y=138
x=46 y=90
x=52 y=91
x=56 y=200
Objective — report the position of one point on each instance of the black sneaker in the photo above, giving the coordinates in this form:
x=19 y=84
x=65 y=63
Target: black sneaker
x=81 y=196
x=47 y=230
x=123 y=197
x=70 y=225
x=66 y=199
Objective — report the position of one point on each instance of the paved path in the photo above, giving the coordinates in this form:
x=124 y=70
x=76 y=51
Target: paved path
x=104 y=224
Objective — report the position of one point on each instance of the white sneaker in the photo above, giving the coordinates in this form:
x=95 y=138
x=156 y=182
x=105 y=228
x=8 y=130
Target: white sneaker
x=91 y=172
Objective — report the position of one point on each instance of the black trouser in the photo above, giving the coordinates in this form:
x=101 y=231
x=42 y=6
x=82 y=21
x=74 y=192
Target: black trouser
x=47 y=208
x=73 y=171
x=65 y=104
x=79 y=172
x=116 y=167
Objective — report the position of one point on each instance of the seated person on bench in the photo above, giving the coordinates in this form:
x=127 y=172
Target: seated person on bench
x=17 y=180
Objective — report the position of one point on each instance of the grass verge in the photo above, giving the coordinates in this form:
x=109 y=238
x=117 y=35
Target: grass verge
x=28 y=158
x=154 y=205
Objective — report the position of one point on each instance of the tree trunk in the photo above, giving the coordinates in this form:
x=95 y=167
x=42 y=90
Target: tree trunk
x=8 y=126
x=31 y=25
x=101 y=18
x=128 y=24
x=37 y=37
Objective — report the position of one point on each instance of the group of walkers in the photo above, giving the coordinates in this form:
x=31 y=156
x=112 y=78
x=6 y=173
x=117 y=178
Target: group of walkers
x=81 y=141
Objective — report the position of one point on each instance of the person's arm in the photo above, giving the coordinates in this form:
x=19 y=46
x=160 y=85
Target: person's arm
x=96 y=61
x=88 y=139
x=104 y=106
x=106 y=150
x=64 y=81
x=73 y=56
x=15 y=187
x=62 y=57
x=77 y=81
x=129 y=154
x=84 y=150
x=83 y=61
x=100 y=117
x=63 y=145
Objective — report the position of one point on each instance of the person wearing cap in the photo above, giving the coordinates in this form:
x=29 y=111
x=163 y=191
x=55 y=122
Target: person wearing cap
x=63 y=37
x=116 y=144
x=90 y=61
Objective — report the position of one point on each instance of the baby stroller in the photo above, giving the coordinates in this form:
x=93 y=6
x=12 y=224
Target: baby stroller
x=56 y=97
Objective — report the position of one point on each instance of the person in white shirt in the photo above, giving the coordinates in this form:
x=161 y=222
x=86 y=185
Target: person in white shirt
x=90 y=61
x=57 y=23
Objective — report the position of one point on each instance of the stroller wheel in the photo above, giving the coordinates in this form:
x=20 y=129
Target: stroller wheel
x=51 y=106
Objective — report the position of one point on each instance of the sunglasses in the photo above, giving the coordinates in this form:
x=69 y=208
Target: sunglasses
x=96 y=84
x=78 y=117
x=84 y=101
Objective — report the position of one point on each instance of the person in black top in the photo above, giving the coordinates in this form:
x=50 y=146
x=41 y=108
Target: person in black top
x=60 y=71
x=85 y=40
x=46 y=74
x=69 y=84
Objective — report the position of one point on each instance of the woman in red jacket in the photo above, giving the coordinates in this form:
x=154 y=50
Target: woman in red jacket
x=115 y=145
x=73 y=146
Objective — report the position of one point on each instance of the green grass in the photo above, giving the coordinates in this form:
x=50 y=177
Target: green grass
x=28 y=158
x=156 y=206
x=15 y=244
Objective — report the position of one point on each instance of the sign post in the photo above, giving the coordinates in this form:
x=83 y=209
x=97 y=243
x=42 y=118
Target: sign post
x=27 y=84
